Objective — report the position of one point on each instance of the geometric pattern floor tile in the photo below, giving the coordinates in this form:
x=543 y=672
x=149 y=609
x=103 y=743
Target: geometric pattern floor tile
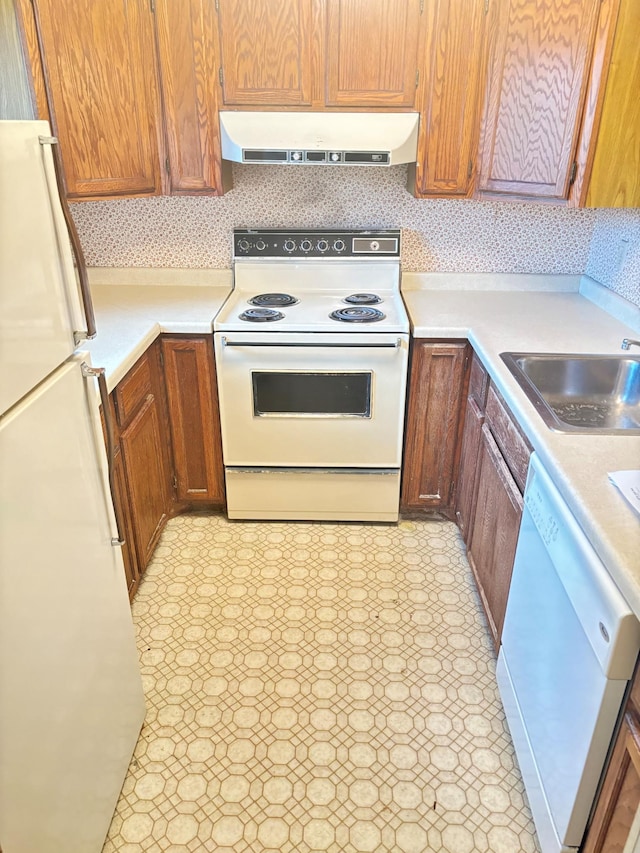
x=317 y=687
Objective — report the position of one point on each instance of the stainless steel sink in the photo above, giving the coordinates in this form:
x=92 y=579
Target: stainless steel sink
x=581 y=393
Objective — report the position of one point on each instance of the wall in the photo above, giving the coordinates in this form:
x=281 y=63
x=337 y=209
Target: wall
x=614 y=255
x=439 y=235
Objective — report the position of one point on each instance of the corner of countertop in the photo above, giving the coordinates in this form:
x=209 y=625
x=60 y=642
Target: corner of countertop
x=611 y=302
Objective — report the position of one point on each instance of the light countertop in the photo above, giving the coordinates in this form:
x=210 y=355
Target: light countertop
x=129 y=317
x=496 y=321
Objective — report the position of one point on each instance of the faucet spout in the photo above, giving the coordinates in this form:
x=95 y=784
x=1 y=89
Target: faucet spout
x=628 y=342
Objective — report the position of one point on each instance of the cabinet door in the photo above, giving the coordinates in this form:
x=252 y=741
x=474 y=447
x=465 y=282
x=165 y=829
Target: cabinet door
x=188 y=75
x=539 y=59
x=616 y=821
x=469 y=463
x=123 y=513
x=265 y=50
x=372 y=52
x=436 y=394
x=451 y=97
x=100 y=66
x=147 y=477
x=194 y=418
x=496 y=522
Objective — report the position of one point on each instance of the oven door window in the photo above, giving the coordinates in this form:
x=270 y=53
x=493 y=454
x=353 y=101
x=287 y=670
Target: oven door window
x=312 y=395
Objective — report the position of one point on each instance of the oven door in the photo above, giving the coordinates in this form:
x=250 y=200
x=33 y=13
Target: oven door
x=312 y=399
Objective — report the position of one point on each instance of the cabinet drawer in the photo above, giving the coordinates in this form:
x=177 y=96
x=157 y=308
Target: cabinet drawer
x=133 y=390
x=514 y=446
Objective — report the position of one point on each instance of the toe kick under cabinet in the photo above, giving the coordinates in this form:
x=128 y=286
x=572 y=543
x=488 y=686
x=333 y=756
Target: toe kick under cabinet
x=167 y=451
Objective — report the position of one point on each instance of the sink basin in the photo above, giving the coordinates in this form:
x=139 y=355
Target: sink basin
x=581 y=393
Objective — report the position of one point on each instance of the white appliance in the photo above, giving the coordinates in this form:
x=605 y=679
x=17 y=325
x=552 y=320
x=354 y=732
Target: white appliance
x=569 y=646
x=71 y=701
x=311 y=356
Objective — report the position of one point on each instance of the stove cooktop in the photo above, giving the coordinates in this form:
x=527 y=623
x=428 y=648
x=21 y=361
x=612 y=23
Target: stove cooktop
x=315 y=281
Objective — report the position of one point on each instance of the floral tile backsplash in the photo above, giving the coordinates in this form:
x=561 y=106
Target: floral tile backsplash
x=438 y=235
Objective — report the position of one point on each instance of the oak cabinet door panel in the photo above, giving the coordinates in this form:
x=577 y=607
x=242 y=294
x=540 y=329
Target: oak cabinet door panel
x=265 y=48
x=100 y=68
x=372 y=52
x=538 y=65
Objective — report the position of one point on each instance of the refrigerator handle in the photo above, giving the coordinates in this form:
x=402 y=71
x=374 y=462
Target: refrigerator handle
x=99 y=374
x=85 y=293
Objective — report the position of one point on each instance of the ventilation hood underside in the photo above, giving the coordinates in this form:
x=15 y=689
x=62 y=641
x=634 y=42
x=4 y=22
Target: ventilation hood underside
x=332 y=139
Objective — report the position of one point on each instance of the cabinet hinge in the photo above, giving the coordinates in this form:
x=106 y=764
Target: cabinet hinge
x=486 y=7
x=421 y=6
x=161 y=356
x=573 y=173
x=217 y=6
x=220 y=75
x=167 y=166
x=175 y=482
x=470 y=168
x=417 y=77
x=152 y=4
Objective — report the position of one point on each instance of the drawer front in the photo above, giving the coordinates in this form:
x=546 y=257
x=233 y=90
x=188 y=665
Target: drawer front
x=514 y=446
x=133 y=390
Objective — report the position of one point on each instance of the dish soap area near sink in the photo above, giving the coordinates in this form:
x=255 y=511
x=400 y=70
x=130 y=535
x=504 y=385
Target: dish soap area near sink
x=577 y=393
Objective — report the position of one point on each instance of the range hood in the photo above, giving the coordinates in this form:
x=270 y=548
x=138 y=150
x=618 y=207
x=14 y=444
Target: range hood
x=331 y=139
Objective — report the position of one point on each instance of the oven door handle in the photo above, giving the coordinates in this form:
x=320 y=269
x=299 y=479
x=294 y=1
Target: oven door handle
x=227 y=343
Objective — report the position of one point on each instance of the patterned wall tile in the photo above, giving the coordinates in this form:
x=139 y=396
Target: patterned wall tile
x=439 y=235
x=614 y=257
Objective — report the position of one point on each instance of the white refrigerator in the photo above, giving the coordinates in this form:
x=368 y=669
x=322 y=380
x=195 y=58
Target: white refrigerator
x=71 y=701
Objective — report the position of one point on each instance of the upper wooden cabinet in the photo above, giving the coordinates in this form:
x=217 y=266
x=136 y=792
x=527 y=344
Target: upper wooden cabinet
x=539 y=56
x=319 y=53
x=608 y=159
x=265 y=52
x=371 y=53
x=187 y=65
x=131 y=95
x=99 y=61
x=451 y=97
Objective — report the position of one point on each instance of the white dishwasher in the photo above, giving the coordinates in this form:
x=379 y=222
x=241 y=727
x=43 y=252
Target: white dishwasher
x=569 y=645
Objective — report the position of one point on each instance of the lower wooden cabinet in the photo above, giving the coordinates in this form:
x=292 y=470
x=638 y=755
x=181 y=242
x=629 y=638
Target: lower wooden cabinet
x=189 y=372
x=615 y=825
x=496 y=523
x=468 y=471
x=437 y=388
x=168 y=452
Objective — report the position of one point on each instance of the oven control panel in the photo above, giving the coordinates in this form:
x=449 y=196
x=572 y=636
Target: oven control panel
x=284 y=243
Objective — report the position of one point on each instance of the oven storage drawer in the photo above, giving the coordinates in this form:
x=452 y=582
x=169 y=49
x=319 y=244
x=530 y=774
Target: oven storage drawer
x=322 y=494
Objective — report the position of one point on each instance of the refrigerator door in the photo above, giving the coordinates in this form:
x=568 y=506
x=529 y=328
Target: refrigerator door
x=39 y=302
x=71 y=701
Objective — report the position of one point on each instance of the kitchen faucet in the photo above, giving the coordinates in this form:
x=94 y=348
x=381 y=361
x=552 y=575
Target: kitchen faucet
x=628 y=342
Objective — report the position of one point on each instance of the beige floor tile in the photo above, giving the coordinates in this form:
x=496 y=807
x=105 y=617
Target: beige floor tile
x=317 y=687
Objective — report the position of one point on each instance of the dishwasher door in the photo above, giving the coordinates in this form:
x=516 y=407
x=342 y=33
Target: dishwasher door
x=569 y=645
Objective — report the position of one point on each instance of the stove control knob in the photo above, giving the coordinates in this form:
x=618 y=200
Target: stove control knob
x=335 y=157
x=374 y=245
x=296 y=156
x=289 y=246
x=244 y=245
x=261 y=245
x=339 y=246
x=305 y=245
x=322 y=245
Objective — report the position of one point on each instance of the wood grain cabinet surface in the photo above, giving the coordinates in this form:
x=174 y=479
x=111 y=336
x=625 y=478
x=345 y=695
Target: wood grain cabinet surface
x=189 y=372
x=318 y=54
x=470 y=453
x=450 y=99
x=492 y=480
x=539 y=59
x=437 y=390
x=99 y=67
x=615 y=826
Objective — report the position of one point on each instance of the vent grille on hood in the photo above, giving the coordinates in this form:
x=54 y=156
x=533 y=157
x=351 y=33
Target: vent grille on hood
x=372 y=139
